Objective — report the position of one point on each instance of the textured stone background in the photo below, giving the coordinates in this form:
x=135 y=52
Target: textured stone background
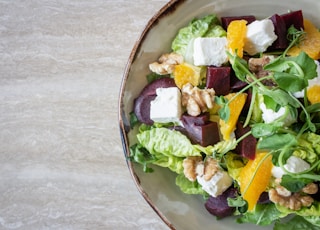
x=61 y=160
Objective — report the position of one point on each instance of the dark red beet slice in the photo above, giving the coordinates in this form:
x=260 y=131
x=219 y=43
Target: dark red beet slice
x=264 y=198
x=218 y=206
x=198 y=120
x=142 y=108
x=200 y=130
x=151 y=88
x=294 y=18
x=246 y=147
x=141 y=105
x=218 y=78
x=280 y=30
x=225 y=21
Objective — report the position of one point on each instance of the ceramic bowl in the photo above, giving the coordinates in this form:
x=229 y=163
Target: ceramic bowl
x=178 y=210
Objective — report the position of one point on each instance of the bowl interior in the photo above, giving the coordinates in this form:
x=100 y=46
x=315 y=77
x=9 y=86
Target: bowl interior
x=178 y=210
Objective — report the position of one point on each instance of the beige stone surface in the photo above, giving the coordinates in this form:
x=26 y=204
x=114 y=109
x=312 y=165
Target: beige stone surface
x=61 y=160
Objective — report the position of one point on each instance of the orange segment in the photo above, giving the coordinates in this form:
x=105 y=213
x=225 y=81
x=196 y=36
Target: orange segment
x=313 y=94
x=236 y=34
x=235 y=107
x=310 y=44
x=254 y=178
x=186 y=73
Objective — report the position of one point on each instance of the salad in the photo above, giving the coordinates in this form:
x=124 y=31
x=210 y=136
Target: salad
x=234 y=111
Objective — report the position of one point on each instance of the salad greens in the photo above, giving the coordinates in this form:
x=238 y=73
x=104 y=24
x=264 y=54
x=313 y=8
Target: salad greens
x=294 y=130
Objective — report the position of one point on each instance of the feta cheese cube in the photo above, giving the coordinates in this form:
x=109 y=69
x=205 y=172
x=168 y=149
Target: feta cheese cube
x=219 y=183
x=166 y=107
x=268 y=115
x=210 y=51
x=260 y=35
x=294 y=165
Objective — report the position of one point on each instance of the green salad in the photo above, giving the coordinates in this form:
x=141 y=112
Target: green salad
x=234 y=110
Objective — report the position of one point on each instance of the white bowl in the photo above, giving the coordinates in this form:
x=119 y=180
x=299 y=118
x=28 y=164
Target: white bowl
x=178 y=210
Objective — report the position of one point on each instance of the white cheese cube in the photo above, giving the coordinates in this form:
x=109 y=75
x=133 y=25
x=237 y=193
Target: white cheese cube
x=268 y=115
x=166 y=107
x=294 y=165
x=210 y=51
x=260 y=35
x=219 y=183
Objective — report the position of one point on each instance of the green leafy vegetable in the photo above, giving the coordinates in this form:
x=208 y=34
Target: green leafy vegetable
x=263 y=214
x=296 y=223
x=293 y=184
x=277 y=141
x=188 y=186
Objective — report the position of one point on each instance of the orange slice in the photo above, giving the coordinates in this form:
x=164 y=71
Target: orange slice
x=186 y=73
x=311 y=42
x=313 y=94
x=254 y=178
x=236 y=34
x=235 y=106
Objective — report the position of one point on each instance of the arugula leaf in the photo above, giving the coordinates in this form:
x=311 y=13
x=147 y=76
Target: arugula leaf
x=263 y=214
x=277 y=141
x=239 y=203
x=133 y=119
x=224 y=111
x=262 y=129
x=292 y=73
x=142 y=156
x=294 y=184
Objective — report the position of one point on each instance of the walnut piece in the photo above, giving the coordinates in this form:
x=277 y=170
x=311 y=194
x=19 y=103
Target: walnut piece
x=294 y=201
x=211 y=167
x=195 y=166
x=197 y=100
x=190 y=165
x=310 y=188
x=256 y=66
x=166 y=63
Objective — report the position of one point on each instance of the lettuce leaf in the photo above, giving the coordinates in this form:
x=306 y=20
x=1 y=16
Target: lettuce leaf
x=163 y=147
x=167 y=142
x=188 y=186
x=208 y=26
x=296 y=223
x=313 y=210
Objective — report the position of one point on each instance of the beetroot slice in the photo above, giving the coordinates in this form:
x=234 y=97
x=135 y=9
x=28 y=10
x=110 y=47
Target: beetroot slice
x=280 y=30
x=218 y=206
x=200 y=129
x=294 y=18
x=247 y=147
x=225 y=21
x=142 y=108
x=141 y=105
x=218 y=78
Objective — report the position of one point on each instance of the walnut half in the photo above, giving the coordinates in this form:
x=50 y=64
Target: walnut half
x=166 y=63
x=294 y=201
x=197 y=100
x=195 y=166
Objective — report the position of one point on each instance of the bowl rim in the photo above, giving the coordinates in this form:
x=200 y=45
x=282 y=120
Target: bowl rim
x=124 y=127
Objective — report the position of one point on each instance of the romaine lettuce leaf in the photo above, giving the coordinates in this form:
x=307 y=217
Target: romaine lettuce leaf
x=188 y=186
x=167 y=142
x=295 y=223
x=142 y=156
x=208 y=26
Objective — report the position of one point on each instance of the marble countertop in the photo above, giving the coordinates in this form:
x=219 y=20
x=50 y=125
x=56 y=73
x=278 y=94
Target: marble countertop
x=61 y=159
